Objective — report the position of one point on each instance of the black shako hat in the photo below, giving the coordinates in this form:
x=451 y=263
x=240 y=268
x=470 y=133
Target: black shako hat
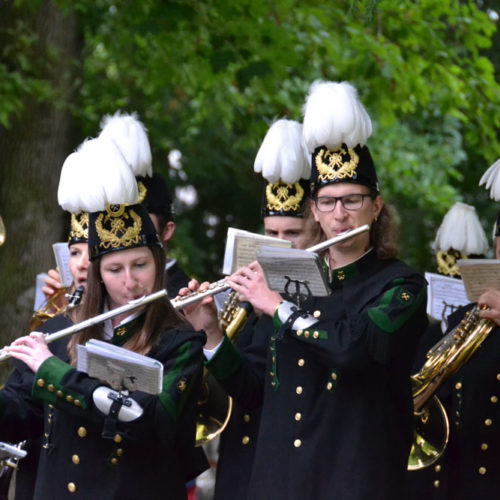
x=120 y=227
x=336 y=127
x=79 y=228
x=155 y=195
x=283 y=161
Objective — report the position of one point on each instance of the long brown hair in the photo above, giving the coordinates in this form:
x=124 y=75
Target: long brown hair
x=383 y=235
x=160 y=314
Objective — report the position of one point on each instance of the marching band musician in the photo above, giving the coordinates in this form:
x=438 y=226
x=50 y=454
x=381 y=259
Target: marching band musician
x=470 y=466
x=25 y=476
x=130 y=136
x=90 y=449
x=337 y=409
x=283 y=161
x=460 y=236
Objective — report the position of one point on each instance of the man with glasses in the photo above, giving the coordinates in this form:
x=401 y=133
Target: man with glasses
x=337 y=412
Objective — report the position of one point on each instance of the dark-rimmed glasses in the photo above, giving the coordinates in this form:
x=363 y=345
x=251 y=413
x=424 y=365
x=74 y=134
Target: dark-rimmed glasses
x=348 y=201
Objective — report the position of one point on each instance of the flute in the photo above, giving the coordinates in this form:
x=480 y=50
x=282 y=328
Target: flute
x=221 y=285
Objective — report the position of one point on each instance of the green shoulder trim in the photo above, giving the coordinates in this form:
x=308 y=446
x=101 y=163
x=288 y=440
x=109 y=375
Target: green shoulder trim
x=175 y=377
x=225 y=362
x=396 y=308
x=48 y=386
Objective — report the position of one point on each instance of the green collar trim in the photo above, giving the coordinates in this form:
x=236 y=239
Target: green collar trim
x=124 y=332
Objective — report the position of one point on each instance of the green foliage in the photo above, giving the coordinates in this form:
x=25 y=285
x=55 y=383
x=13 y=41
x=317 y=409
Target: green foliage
x=209 y=77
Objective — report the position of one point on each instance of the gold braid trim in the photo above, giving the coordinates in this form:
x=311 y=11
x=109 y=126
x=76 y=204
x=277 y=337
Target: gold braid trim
x=79 y=226
x=143 y=191
x=279 y=196
x=447 y=262
x=332 y=165
x=116 y=219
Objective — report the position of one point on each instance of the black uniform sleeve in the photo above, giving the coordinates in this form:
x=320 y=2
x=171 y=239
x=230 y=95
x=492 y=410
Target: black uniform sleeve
x=180 y=351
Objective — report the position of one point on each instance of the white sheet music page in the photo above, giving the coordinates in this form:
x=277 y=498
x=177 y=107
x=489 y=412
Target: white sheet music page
x=479 y=275
x=285 y=266
x=444 y=295
x=61 y=253
x=119 y=367
x=241 y=248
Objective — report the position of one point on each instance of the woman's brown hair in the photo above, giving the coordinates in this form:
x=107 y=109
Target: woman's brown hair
x=160 y=314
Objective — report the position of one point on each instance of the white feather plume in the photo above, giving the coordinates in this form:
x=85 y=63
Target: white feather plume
x=130 y=135
x=462 y=231
x=95 y=175
x=283 y=155
x=491 y=179
x=333 y=114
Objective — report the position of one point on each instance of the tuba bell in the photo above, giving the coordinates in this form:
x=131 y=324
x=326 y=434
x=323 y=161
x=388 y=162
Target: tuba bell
x=444 y=359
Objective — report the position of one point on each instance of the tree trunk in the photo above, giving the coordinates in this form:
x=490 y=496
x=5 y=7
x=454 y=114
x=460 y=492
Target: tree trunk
x=33 y=151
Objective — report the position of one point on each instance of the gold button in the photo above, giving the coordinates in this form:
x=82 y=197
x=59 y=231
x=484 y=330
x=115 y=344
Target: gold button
x=77 y=403
x=488 y=422
x=301 y=362
x=119 y=452
x=298 y=390
x=49 y=420
x=334 y=376
x=246 y=417
x=316 y=335
x=298 y=417
x=498 y=376
x=307 y=334
x=71 y=487
x=274 y=359
x=40 y=382
x=75 y=459
x=436 y=484
x=299 y=333
x=458 y=386
x=245 y=440
x=329 y=386
x=484 y=446
x=437 y=468
x=273 y=383
x=51 y=406
x=82 y=432
x=494 y=399
x=117 y=438
x=297 y=443
x=69 y=398
x=51 y=388
x=482 y=471
x=60 y=394
x=114 y=461
x=271 y=373
x=317 y=314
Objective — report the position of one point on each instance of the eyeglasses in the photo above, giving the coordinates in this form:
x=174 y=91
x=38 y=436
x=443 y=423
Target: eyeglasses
x=349 y=202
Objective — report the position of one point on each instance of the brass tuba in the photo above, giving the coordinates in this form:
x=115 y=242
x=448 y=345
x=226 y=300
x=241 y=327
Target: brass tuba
x=444 y=359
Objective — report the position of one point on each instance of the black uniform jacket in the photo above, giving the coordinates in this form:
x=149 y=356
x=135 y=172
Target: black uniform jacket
x=337 y=415
x=144 y=458
x=176 y=278
x=470 y=466
x=239 y=439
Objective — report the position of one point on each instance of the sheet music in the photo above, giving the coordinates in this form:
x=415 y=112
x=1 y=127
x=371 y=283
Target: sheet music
x=61 y=253
x=479 y=275
x=40 y=298
x=444 y=295
x=119 y=367
x=285 y=266
x=241 y=248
